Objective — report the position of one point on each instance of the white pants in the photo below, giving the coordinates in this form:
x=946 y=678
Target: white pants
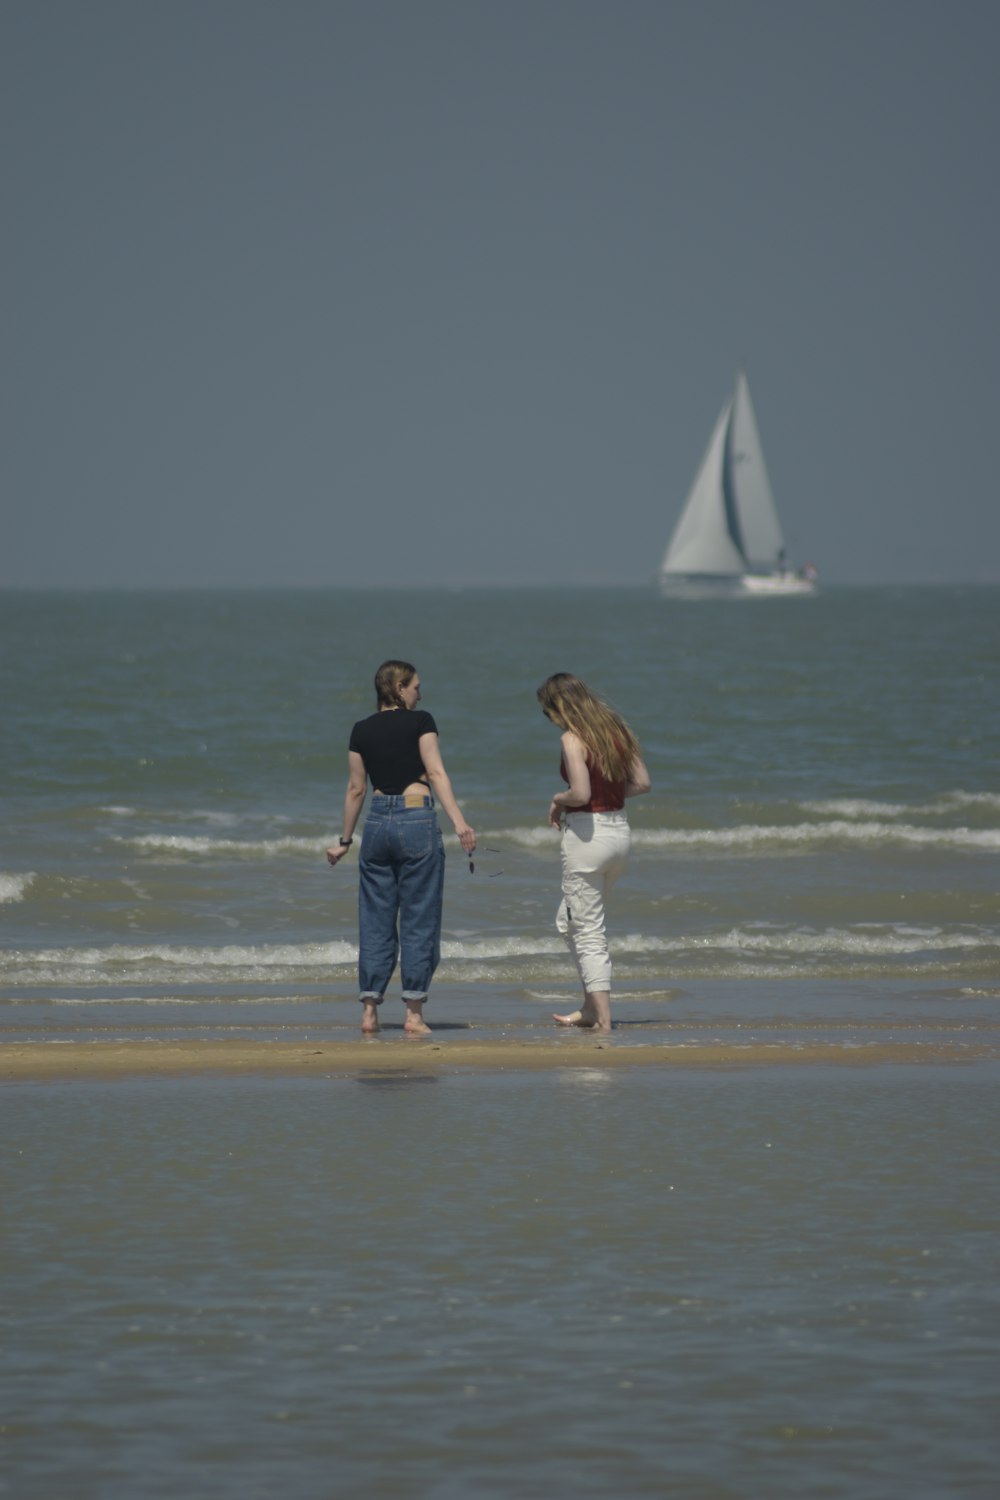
x=595 y=849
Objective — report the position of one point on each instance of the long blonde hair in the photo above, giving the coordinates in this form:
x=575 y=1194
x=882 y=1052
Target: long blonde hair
x=608 y=740
x=390 y=677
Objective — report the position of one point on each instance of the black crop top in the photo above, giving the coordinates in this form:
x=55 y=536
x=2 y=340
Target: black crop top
x=389 y=745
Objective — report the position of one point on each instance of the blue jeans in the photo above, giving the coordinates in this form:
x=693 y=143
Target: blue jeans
x=400 y=893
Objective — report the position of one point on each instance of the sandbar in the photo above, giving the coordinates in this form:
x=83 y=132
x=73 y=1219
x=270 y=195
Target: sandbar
x=51 y=1061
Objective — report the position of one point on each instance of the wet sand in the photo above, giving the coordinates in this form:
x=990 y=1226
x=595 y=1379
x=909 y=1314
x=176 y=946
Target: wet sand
x=36 y=1061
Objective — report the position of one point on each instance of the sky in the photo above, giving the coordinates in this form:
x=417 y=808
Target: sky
x=450 y=292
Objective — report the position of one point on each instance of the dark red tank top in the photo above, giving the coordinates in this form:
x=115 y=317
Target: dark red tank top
x=605 y=796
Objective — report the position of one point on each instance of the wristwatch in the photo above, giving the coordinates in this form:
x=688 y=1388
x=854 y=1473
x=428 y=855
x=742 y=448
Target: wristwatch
x=346 y=843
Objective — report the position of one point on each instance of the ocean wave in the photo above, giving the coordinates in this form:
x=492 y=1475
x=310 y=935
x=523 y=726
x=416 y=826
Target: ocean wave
x=858 y=807
x=796 y=837
x=785 y=837
x=947 y=804
x=123 y=961
x=836 y=942
x=499 y=958
x=949 y=800
x=858 y=823
x=201 y=844
x=510 y=947
x=13 y=887
x=121 y=955
x=212 y=817
x=204 y=846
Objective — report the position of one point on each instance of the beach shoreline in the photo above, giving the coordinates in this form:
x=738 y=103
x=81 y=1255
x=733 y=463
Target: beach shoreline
x=397 y=1055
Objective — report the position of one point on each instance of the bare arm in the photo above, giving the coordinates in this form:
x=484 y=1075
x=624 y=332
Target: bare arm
x=430 y=754
x=354 y=797
x=578 y=791
x=638 y=779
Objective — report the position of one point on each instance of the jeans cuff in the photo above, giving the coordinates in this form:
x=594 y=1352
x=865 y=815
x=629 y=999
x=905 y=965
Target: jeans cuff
x=370 y=997
x=414 y=994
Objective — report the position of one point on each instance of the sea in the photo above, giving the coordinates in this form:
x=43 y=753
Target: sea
x=776 y=1277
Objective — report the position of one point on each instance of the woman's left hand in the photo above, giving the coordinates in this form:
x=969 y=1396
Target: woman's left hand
x=467 y=838
x=336 y=854
x=555 y=814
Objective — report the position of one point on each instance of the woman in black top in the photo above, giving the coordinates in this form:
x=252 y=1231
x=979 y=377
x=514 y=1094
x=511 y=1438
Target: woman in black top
x=401 y=869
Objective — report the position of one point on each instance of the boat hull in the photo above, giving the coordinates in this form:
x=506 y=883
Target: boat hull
x=763 y=584
x=734 y=586
x=700 y=585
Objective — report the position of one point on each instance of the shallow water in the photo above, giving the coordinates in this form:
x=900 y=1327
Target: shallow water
x=607 y=1280
x=583 y=1282
x=825 y=803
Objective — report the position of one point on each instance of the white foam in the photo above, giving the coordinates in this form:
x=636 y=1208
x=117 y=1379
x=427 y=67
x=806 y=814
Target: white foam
x=210 y=816
x=13 y=887
x=175 y=843
x=797 y=837
x=854 y=941
x=860 y=807
x=510 y=947
x=155 y=964
x=529 y=838
x=865 y=939
x=790 y=837
x=122 y=956
x=857 y=807
x=968 y=799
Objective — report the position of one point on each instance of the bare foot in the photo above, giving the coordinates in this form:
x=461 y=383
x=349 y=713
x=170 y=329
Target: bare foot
x=577 y=1018
x=415 y=1025
x=594 y=1014
x=369 y=1021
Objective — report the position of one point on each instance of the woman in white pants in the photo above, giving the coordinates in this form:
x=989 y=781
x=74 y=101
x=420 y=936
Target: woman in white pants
x=602 y=767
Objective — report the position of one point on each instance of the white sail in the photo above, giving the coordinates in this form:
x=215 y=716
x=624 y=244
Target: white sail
x=746 y=478
x=702 y=542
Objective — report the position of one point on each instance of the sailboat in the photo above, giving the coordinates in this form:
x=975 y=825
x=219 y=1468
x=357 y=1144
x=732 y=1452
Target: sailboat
x=728 y=538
